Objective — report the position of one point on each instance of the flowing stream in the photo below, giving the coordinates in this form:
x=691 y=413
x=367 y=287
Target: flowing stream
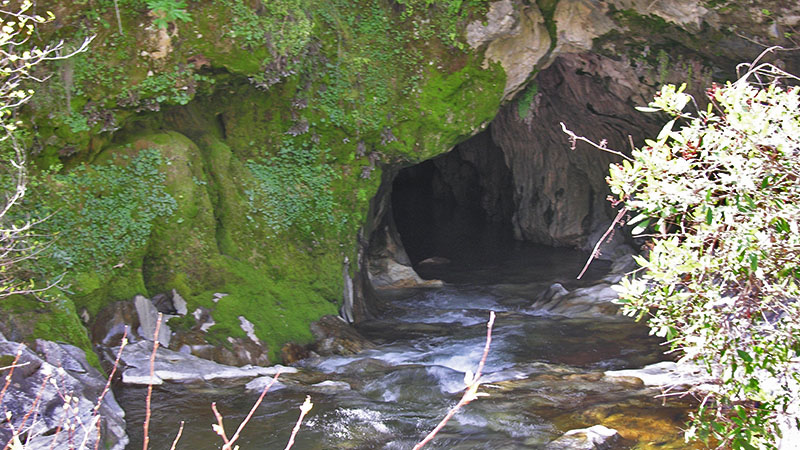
x=544 y=374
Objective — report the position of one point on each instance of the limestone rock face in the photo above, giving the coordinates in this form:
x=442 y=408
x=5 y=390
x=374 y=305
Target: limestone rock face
x=516 y=37
x=560 y=194
x=578 y=22
x=689 y=14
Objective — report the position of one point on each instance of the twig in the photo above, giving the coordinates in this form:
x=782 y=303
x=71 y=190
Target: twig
x=148 y=399
x=178 y=437
x=304 y=409
x=574 y=138
x=235 y=436
x=473 y=382
x=97 y=441
x=219 y=427
x=113 y=371
x=10 y=374
x=596 y=249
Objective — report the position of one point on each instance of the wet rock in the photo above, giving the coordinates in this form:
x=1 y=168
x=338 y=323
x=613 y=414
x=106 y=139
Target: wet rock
x=597 y=437
x=335 y=337
x=435 y=261
x=41 y=384
x=396 y=275
x=238 y=352
x=181 y=367
x=389 y=267
x=258 y=384
x=628 y=382
x=292 y=352
x=109 y=324
x=329 y=387
x=588 y=301
x=667 y=374
x=148 y=318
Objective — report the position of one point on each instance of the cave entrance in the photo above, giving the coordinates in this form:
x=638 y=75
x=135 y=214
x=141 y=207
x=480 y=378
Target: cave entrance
x=456 y=207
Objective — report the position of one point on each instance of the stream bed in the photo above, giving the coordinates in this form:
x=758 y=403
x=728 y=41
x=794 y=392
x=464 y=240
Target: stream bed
x=544 y=374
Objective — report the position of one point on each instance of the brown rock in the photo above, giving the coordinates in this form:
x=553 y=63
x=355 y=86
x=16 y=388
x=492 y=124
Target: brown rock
x=335 y=337
x=292 y=352
x=109 y=324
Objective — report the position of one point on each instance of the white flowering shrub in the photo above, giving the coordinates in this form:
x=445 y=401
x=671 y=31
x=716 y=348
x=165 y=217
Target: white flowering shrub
x=718 y=195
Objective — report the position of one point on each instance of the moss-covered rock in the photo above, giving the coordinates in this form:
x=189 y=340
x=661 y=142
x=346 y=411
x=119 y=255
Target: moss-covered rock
x=26 y=319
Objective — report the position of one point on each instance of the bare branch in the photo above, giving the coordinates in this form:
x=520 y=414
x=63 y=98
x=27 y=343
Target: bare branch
x=596 y=250
x=472 y=387
x=146 y=426
x=574 y=138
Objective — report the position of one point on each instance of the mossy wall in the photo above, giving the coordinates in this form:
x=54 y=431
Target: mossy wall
x=237 y=152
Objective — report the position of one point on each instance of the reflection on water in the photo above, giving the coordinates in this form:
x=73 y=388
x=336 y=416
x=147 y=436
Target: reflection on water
x=544 y=374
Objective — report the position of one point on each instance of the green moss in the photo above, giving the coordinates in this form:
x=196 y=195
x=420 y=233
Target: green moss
x=548 y=9
x=55 y=320
x=525 y=100
x=280 y=309
x=450 y=106
x=94 y=290
x=651 y=23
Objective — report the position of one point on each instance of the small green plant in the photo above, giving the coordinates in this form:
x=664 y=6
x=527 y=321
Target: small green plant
x=293 y=189
x=526 y=100
x=77 y=123
x=176 y=87
x=720 y=200
x=168 y=11
x=107 y=211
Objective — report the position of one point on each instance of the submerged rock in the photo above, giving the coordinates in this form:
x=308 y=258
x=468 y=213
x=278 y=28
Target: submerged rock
x=293 y=352
x=597 y=437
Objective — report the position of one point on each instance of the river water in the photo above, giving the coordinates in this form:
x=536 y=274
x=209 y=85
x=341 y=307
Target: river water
x=544 y=374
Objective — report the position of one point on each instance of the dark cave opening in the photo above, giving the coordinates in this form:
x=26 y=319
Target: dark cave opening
x=456 y=206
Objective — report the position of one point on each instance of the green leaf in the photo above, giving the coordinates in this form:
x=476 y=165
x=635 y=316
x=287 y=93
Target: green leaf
x=753 y=262
x=744 y=355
